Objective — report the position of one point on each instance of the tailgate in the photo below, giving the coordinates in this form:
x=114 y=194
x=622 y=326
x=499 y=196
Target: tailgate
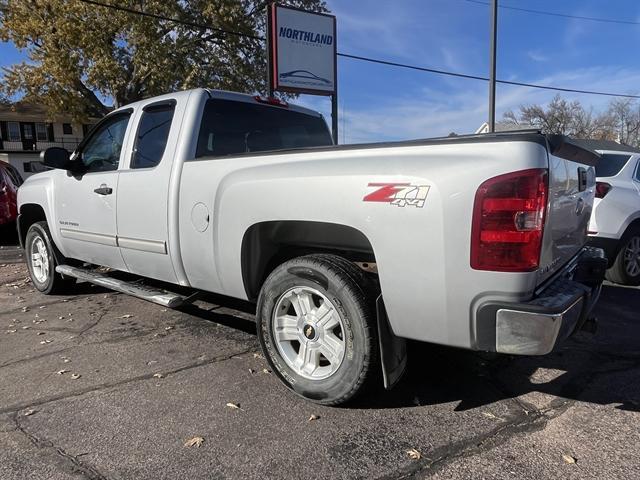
x=571 y=195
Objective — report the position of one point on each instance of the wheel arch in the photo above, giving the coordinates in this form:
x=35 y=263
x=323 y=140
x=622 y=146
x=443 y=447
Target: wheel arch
x=29 y=214
x=267 y=244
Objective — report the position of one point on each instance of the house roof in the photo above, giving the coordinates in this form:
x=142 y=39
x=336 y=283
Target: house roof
x=26 y=111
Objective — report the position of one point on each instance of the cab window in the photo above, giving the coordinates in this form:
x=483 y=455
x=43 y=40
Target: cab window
x=232 y=127
x=153 y=132
x=102 y=150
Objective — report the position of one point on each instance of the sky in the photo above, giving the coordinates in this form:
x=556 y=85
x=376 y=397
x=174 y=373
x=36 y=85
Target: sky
x=380 y=103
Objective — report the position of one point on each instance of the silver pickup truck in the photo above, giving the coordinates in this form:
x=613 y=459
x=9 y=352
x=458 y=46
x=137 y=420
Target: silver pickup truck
x=348 y=251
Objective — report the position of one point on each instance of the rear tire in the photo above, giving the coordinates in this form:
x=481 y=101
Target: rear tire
x=41 y=256
x=626 y=268
x=317 y=327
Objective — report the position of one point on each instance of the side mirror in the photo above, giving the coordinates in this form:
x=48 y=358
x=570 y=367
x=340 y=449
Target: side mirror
x=56 y=157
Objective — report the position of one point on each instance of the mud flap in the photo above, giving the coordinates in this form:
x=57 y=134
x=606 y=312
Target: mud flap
x=393 y=350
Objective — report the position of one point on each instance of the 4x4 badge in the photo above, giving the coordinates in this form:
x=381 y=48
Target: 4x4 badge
x=398 y=194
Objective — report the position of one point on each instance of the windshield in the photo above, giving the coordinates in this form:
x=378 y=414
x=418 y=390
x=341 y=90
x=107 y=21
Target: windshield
x=610 y=164
x=231 y=127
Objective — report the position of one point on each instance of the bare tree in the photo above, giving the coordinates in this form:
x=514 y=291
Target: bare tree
x=623 y=118
x=562 y=117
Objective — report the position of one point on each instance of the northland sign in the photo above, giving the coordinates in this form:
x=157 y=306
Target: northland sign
x=302 y=51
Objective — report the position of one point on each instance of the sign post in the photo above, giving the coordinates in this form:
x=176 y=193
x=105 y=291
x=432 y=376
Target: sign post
x=301 y=52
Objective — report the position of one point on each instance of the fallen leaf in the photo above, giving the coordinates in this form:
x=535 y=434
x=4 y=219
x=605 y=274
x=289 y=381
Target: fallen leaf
x=194 y=442
x=234 y=406
x=414 y=454
x=11 y=331
x=490 y=415
x=569 y=458
x=42 y=306
x=313 y=417
x=266 y=370
x=29 y=412
x=65 y=360
x=257 y=355
x=26 y=327
x=158 y=375
x=128 y=315
x=251 y=370
x=40 y=333
x=170 y=327
x=44 y=342
x=25 y=309
x=61 y=372
x=60 y=318
x=75 y=376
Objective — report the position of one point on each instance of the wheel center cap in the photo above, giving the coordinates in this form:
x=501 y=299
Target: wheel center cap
x=309 y=331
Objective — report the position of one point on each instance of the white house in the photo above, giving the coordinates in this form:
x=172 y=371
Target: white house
x=25 y=131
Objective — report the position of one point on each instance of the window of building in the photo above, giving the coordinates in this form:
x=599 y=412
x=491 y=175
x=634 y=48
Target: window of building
x=151 y=139
x=66 y=129
x=41 y=132
x=13 y=131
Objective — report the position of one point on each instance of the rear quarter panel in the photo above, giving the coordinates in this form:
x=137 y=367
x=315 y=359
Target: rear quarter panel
x=430 y=291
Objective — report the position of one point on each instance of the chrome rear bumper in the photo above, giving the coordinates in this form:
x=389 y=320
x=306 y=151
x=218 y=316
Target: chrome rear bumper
x=560 y=309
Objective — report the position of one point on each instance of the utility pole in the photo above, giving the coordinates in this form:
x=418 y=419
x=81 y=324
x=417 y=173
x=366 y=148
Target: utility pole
x=492 y=66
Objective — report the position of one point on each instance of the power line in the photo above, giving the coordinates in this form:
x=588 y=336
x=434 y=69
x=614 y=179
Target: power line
x=556 y=14
x=361 y=58
x=169 y=19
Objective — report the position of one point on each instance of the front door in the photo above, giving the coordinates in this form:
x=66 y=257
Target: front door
x=86 y=204
x=28 y=134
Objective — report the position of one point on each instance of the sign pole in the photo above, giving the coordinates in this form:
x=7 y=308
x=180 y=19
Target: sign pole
x=270 y=86
x=334 y=116
x=492 y=66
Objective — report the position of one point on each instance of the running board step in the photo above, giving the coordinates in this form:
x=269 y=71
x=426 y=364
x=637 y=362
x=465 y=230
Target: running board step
x=161 y=297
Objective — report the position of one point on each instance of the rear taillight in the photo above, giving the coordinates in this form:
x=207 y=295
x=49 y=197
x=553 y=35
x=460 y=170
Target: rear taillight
x=602 y=188
x=508 y=221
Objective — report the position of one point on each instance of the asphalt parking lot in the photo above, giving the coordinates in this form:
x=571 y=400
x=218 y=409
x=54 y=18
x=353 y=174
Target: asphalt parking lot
x=99 y=385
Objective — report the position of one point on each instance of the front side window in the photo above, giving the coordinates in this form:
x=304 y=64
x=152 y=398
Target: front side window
x=102 y=150
x=152 y=136
x=232 y=127
x=13 y=131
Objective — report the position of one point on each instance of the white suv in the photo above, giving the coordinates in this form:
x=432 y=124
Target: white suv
x=615 y=221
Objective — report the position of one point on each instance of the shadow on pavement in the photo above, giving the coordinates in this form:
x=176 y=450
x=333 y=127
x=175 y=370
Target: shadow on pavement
x=439 y=374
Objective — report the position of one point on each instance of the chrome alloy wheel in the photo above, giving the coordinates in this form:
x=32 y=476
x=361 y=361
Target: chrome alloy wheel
x=632 y=257
x=309 y=333
x=40 y=260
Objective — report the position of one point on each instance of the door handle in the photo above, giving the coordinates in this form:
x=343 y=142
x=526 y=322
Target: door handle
x=103 y=190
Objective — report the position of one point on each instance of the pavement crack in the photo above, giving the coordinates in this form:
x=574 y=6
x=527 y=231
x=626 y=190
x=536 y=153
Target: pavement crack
x=106 y=386
x=72 y=461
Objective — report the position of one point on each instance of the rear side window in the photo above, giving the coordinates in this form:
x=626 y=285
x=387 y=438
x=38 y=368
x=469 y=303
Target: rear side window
x=152 y=136
x=610 y=164
x=232 y=127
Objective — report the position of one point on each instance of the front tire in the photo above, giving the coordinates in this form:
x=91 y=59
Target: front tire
x=41 y=261
x=317 y=327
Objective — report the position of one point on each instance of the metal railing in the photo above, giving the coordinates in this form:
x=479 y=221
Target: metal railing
x=37 y=145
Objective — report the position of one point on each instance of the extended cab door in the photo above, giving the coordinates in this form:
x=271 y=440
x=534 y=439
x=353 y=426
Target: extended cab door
x=85 y=204
x=143 y=191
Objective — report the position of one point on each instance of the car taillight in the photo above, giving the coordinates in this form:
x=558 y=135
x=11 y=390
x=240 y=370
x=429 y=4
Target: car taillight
x=602 y=188
x=508 y=222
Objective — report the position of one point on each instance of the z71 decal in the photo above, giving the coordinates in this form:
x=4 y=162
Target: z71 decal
x=398 y=194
